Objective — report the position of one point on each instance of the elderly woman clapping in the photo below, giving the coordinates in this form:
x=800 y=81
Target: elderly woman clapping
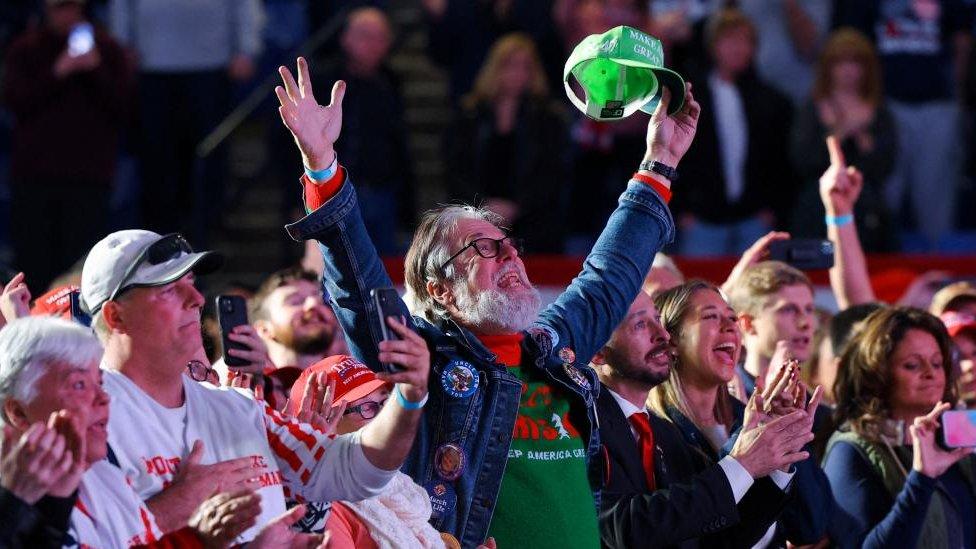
x=51 y=398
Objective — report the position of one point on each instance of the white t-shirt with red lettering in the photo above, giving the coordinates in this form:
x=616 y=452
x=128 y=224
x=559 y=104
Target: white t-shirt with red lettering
x=150 y=441
x=108 y=512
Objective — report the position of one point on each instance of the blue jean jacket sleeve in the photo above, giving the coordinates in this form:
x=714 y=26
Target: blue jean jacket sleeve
x=861 y=496
x=589 y=310
x=352 y=269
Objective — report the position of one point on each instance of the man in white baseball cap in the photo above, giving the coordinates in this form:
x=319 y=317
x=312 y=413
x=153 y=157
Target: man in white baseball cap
x=179 y=441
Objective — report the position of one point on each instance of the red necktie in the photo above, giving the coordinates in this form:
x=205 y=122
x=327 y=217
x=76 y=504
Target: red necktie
x=645 y=441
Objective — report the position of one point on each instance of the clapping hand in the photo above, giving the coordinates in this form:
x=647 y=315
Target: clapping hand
x=34 y=462
x=279 y=535
x=316 y=406
x=15 y=299
x=314 y=127
x=220 y=519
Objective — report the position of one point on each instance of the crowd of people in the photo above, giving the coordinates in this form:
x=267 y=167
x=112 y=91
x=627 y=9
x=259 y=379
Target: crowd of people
x=638 y=408
x=128 y=117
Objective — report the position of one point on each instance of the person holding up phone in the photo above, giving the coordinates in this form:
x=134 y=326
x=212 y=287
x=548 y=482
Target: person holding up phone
x=894 y=485
x=69 y=104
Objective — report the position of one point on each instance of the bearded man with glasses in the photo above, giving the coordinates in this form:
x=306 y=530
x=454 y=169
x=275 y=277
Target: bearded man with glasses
x=509 y=445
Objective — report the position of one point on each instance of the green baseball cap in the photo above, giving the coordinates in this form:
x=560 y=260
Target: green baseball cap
x=621 y=71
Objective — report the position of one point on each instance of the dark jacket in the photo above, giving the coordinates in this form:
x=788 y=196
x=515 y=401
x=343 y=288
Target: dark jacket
x=65 y=129
x=37 y=526
x=693 y=505
x=532 y=173
x=805 y=518
x=768 y=182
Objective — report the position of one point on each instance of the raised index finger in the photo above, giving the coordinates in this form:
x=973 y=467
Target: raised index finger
x=836 y=154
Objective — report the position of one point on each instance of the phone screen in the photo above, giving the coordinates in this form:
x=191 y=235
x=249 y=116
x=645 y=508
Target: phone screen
x=81 y=40
x=959 y=428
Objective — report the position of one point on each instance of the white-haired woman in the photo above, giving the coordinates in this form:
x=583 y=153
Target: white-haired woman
x=49 y=373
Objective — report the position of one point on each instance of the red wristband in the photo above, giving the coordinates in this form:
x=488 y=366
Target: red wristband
x=653 y=183
x=319 y=193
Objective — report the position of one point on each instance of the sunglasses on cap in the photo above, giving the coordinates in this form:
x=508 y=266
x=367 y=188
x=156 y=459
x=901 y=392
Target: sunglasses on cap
x=167 y=248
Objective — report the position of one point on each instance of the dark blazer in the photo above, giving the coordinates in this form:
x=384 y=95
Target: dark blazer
x=810 y=504
x=768 y=177
x=693 y=505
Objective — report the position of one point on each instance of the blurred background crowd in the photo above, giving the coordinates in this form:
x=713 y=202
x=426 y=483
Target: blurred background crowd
x=168 y=123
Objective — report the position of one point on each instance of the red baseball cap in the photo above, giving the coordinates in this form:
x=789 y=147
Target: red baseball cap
x=56 y=302
x=955 y=322
x=353 y=380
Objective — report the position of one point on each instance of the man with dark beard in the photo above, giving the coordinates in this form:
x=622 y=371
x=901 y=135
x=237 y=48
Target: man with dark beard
x=509 y=446
x=291 y=317
x=659 y=491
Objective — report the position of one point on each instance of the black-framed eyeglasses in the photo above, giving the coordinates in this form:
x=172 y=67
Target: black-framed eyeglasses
x=366 y=410
x=487 y=247
x=199 y=371
x=168 y=247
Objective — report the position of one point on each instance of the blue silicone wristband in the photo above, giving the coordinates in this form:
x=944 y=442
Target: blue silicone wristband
x=323 y=175
x=408 y=404
x=839 y=220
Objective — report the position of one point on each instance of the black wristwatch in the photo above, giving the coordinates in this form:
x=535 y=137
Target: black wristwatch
x=660 y=168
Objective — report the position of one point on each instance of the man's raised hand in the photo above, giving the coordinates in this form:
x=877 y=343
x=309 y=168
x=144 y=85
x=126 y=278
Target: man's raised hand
x=314 y=127
x=668 y=137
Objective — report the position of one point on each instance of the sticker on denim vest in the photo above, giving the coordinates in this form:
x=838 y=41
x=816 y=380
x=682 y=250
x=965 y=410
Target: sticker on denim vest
x=449 y=461
x=443 y=499
x=450 y=542
x=576 y=375
x=545 y=338
x=459 y=379
x=567 y=355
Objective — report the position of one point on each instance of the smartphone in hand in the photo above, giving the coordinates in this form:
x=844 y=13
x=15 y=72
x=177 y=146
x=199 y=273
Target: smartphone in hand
x=231 y=313
x=957 y=429
x=386 y=303
x=806 y=254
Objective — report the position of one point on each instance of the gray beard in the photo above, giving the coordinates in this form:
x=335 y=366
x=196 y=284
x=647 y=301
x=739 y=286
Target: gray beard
x=493 y=312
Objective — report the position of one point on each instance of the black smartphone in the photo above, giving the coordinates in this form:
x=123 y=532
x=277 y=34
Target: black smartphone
x=231 y=312
x=387 y=303
x=77 y=313
x=806 y=254
x=957 y=429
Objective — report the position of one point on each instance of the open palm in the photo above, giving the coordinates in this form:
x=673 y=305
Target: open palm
x=314 y=127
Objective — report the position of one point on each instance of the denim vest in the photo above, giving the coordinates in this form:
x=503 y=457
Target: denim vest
x=475 y=426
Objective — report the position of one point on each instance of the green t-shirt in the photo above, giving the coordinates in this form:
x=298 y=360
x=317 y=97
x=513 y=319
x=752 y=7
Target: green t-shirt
x=545 y=498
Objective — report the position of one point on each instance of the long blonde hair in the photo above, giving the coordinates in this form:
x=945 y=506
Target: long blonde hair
x=674 y=305
x=485 y=88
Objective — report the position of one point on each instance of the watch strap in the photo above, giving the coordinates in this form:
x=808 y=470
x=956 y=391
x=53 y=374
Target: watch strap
x=660 y=168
